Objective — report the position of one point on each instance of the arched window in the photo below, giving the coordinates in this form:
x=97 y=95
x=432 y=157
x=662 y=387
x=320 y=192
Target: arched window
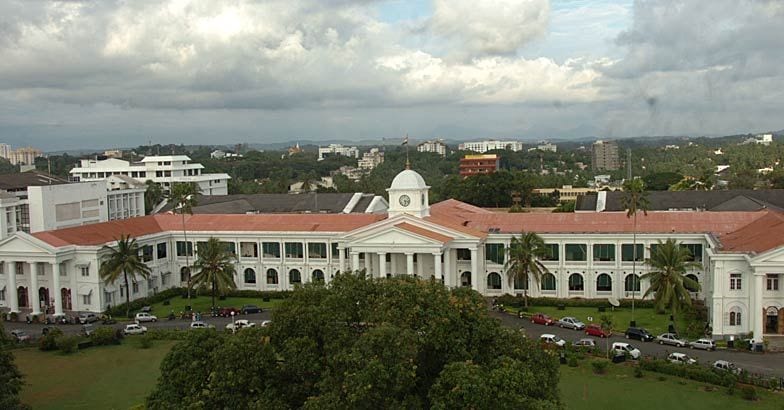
x=494 y=281
x=465 y=279
x=520 y=283
x=735 y=317
x=295 y=276
x=272 y=277
x=695 y=279
x=184 y=273
x=632 y=283
x=548 y=281
x=250 y=276
x=318 y=276
x=576 y=282
x=603 y=283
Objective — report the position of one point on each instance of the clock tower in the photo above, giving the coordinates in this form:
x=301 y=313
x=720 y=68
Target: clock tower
x=408 y=194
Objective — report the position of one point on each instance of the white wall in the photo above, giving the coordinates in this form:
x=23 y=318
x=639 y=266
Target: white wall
x=78 y=204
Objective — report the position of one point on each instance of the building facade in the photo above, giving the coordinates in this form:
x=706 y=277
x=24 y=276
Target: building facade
x=479 y=164
x=437 y=146
x=165 y=170
x=20 y=156
x=489 y=145
x=337 y=149
x=604 y=156
x=739 y=255
x=371 y=159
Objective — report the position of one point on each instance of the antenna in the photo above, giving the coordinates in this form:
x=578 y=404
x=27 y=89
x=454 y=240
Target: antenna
x=629 y=162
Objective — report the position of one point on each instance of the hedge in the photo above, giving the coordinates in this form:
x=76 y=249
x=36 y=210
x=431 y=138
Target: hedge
x=170 y=293
x=519 y=301
x=693 y=372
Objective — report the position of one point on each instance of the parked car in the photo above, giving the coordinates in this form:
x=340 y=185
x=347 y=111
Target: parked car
x=596 y=330
x=239 y=324
x=226 y=311
x=134 y=329
x=681 y=358
x=265 y=323
x=704 y=344
x=621 y=348
x=585 y=343
x=552 y=339
x=200 y=325
x=638 y=333
x=671 y=339
x=145 y=317
x=87 y=317
x=571 y=323
x=726 y=366
x=20 y=335
x=248 y=309
x=542 y=319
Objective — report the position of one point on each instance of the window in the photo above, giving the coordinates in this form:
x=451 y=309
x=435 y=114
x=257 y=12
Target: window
x=654 y=249
x=772 y=282
x=548 y=281
x=294 y=250
x=181 y=245
x=87 y=300
x=19 y=268
x=575 y=252
x=735 y=318
x=735 y=281
x=249 y=249
x=465 y=279
x=463 y=254
x=270 y=250
x=230 y=248
x=695 y=250
x=552 y=252
x=317 y=250
x=85 y=271
x=603 y=283
x=494 y=281
x=632 y=283
x=335 y=251
x=161 y=250
x=627 y=252
x=272 y=277
x=604 y=253
x=494 y=252
x=295 y=276
x=576 y=282
x=135 y=287
x=2 y=294
x=122 y=291
x=520 y=283
x=250 y=276
x=318 y=276
x=146 y=253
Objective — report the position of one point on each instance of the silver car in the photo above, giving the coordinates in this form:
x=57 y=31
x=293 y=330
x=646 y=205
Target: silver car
x=704 y=344
x=571 y=323
x=671 y=339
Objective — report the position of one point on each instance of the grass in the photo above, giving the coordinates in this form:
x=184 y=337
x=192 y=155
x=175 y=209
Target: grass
x=204 y=303
x=106 y=377
x=581 y=389
x=645 y=317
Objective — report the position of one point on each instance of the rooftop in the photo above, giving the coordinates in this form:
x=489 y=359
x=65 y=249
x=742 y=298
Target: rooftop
x=731 y=200
x=19 y=181
x=277 y=203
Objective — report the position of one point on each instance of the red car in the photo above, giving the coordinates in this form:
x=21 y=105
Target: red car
x=542 y=319
x=596 y=330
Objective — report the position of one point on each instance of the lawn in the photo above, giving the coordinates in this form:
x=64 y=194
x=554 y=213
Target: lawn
x=646 y=317
x=106 y=377
x=581 y=389
x=204 y=303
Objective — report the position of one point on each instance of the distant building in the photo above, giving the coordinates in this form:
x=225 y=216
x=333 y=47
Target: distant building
x=300 y=188
x=337 y=149
x=5 y=151
x=352 y=173
x=295 y=149
x=604 y=156
x=566 y=193
x=436 y=146
x=20 y=156
x=763 y=139
x=371 y=159
x=479 y=164
x=490 y=145
x=545 y=146
x=218 y=154
x=113 y=153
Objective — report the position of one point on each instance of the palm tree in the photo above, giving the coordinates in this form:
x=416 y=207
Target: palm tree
x=669 y=284
x=152 y=196
x=215 y=266
x=123 y=260
x=525 y=253
x=183 y=196
x=635 y=199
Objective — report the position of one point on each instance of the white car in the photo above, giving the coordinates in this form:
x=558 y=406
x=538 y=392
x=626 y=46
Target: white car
x=680 y=358
x=552 y=339
x=726 y=366
x=621 y=348
x=200 y=325
x=87 y=317
x=265 y=323
x=134 y=329
x=571 y=323
x=239 y=324
x=145 y=317
x=704 y=344
x=671 y=339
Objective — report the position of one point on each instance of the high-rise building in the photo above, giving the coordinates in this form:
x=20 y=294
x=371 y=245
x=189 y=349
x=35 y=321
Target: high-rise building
x=337 y=149
x=605 y=156
x=479 y=164
x=490 y=145
x=436 y=146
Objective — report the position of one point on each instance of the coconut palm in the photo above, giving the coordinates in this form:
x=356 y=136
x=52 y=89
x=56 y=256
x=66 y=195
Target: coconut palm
x=215 y=267
x=635 y=199
x=183 y=196
x=123 y=260
x=524 y=263
x=667 y=277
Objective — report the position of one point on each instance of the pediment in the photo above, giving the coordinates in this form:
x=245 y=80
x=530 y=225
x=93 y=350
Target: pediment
x=395 y=236
x=411 y=226
x=772 y=257
x=21 y=243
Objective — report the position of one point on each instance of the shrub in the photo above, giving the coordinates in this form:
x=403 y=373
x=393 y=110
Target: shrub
x=599 y=366
x=661 y=378
x=749 y=393
x=519 y=301
x=638 y=372
x=105 y=335
x=145 y=342
x=119 y=310
x=49 y=342
x=68 y=344
x=166 y=334
x=573 y=361
x=731 y=390
x=696 y=373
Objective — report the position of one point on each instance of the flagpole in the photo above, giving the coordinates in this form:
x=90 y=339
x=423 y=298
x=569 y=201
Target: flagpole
x=408 y=163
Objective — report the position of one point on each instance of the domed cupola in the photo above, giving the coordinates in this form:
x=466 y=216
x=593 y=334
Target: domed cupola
x=408 y=194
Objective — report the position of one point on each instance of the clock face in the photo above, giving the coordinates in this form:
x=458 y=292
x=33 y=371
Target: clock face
x=405 y=200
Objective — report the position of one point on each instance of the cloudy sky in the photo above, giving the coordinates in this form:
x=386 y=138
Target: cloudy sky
x=104 y=73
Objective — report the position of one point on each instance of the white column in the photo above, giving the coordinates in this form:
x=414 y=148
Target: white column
x=419 y=266
x=354 y=261
x=448 y=274
x=437 y=262
x=382 y=265
x=33 y=292
x=475 y=269
x=409 y=264
x=58 y=297
x=393 y=264
x=756 y=315
x=11 y=296
x=342 y=259
x=369 y=264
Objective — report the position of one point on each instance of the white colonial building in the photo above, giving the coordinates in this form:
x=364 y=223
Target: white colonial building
x=740 y=254
x=490 y=145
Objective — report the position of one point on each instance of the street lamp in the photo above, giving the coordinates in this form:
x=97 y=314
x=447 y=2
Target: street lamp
x=233 y=323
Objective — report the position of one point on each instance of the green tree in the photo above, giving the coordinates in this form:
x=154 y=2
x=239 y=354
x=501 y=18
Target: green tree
x=667 y=277
x=183 y=196
x=661 y=181
x=11 y=379
x=123 y=260
x=635 y=199
x=524 y=263
x=215 y=268
x=152 y=196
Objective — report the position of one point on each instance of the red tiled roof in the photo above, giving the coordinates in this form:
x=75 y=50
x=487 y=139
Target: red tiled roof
x=424 y=232
x=761 y=235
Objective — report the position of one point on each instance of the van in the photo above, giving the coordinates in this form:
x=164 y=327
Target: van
x=620 y=348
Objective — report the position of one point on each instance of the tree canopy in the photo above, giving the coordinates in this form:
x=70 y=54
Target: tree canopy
x=11 y=380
